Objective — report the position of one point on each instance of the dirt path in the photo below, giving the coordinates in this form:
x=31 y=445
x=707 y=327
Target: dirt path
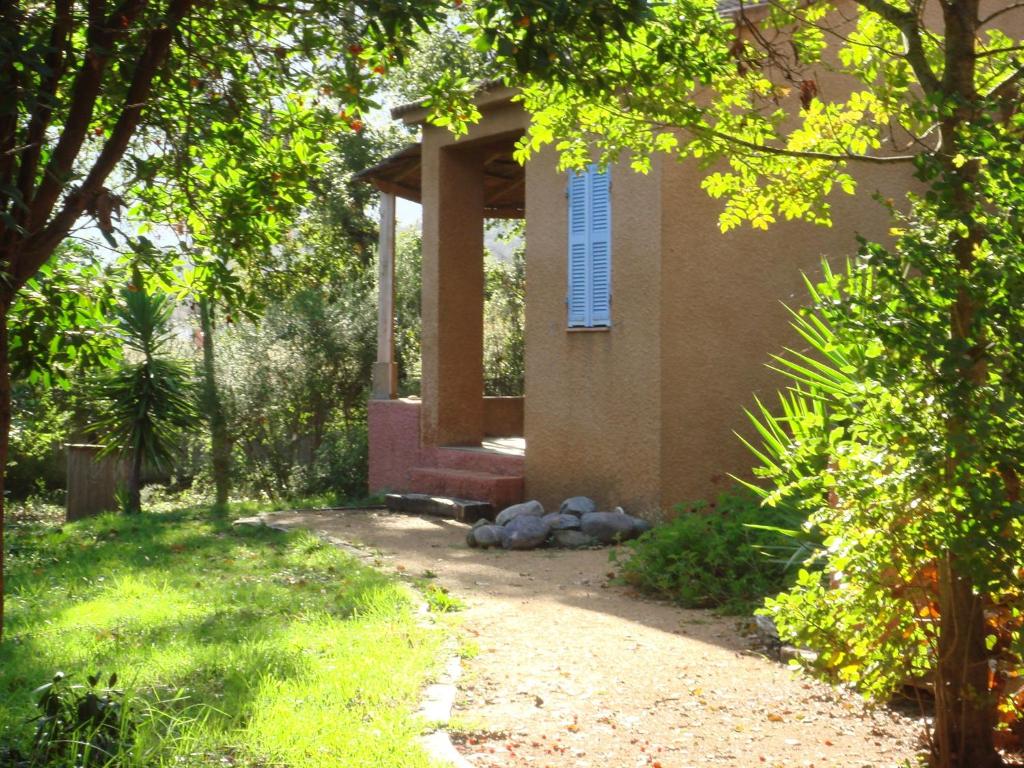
x=574 y=672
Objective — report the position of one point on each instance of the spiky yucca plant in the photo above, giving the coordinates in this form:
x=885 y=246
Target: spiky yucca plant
x=146 y=404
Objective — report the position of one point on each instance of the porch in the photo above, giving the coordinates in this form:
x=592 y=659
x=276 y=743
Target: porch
x=452 y=440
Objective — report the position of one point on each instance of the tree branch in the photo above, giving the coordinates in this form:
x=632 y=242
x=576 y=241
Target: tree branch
x=45 y=97
x=996 y=14
x=835 y=157
x=101 y=37
x=10 y=22
x=39 y=245
x=993 y=51
x=907 y=23
x=705 y=131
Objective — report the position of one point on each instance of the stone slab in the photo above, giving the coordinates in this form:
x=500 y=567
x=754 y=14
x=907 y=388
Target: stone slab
x=464 y=510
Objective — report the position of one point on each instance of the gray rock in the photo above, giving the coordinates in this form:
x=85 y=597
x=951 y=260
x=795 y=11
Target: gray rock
x=559 y=522
x=641 y=526
x=573 y=539
x=609 y=527
x=525 y=532
x=482 y=521
x=486 y=536
x=577 y=505
x=788 y=653
x=766 y=630
x=527 y=508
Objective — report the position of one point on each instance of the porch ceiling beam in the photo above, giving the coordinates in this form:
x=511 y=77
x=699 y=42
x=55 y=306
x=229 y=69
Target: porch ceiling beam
x=386 y=186
x=514 y=186
x=405 y=173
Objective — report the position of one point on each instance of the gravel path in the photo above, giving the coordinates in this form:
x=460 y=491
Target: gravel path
x=572 y=671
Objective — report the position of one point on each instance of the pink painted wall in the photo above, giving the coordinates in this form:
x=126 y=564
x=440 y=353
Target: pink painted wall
x=395 y=449
x=394 y=433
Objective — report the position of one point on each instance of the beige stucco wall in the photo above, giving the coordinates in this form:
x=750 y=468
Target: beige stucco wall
x=722 y=316
x=644 y=414
x=593 y=398
x=722 y=309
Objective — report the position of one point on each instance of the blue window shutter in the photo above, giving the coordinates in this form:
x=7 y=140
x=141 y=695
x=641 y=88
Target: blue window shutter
x=589 y=297
x=579 y=230
x=600 y=248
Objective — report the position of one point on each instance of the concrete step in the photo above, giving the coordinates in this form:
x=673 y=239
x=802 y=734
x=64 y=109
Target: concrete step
x=497 y=490
x=480 y=460
x=463 y=510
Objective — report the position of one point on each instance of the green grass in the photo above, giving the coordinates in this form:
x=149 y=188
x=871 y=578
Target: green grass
x=289 y=653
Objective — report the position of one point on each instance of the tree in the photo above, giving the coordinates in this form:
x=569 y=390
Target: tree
x=933 y=87
x=146 y=404
x=78 y=83
x=295 y=383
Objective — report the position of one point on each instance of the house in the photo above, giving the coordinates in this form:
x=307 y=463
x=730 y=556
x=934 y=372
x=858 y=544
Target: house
x=647 y=329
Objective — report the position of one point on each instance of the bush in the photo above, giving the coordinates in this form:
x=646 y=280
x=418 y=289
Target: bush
x=40 y=425
x=341 y=463
x=295 y=387
x=915 y=436
x=713 y=556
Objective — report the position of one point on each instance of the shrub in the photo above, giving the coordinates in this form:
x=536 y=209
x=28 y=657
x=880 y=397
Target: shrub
x=727 y=555
x=921 y=464
x=295 y=388
x=92 y=725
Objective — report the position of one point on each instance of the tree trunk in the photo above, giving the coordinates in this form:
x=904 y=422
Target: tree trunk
x=220 y=441
x=5 y=429
x=965 y=710
x=134 y=505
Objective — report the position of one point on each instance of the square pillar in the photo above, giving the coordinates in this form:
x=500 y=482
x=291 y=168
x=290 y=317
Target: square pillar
x=385 y=371
x=452 y=386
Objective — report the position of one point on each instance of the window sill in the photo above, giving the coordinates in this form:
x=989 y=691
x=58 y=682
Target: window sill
x=595 y=329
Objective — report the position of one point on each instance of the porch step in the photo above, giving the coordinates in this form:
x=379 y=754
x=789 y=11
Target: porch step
x=497 y=490
x=480 y=460
x=463 y=510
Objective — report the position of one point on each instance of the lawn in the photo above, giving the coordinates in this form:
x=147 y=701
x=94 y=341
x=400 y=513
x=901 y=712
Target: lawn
x=259 y=647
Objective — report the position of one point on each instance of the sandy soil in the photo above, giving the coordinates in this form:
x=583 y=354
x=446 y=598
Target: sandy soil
x=573 y=671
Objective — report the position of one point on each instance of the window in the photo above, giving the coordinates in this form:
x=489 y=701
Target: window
x=590 y=290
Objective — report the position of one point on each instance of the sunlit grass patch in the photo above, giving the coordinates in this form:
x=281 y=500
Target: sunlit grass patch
x=274 y=648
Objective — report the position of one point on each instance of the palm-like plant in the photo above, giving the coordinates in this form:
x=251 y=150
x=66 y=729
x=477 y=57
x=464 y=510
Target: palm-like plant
x=148 y=402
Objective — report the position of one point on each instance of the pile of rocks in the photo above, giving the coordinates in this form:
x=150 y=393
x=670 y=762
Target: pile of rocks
x=577 y=523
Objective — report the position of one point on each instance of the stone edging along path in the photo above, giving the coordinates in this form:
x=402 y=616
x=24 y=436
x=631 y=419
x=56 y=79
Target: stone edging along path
x=568 y=669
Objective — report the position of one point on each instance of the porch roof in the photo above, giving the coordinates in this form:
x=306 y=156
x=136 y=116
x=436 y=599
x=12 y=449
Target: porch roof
x=504 y=178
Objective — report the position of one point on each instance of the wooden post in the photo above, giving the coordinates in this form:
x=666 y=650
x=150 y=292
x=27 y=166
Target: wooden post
x=92 y=481
x=385 y=372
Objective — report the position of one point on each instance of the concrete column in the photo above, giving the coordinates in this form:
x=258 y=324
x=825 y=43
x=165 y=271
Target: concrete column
x=452 y=387
x=385 y=372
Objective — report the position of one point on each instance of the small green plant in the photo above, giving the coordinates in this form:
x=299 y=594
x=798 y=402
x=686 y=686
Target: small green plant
x=721 y=555
x=440 y=600
x=81 y=725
